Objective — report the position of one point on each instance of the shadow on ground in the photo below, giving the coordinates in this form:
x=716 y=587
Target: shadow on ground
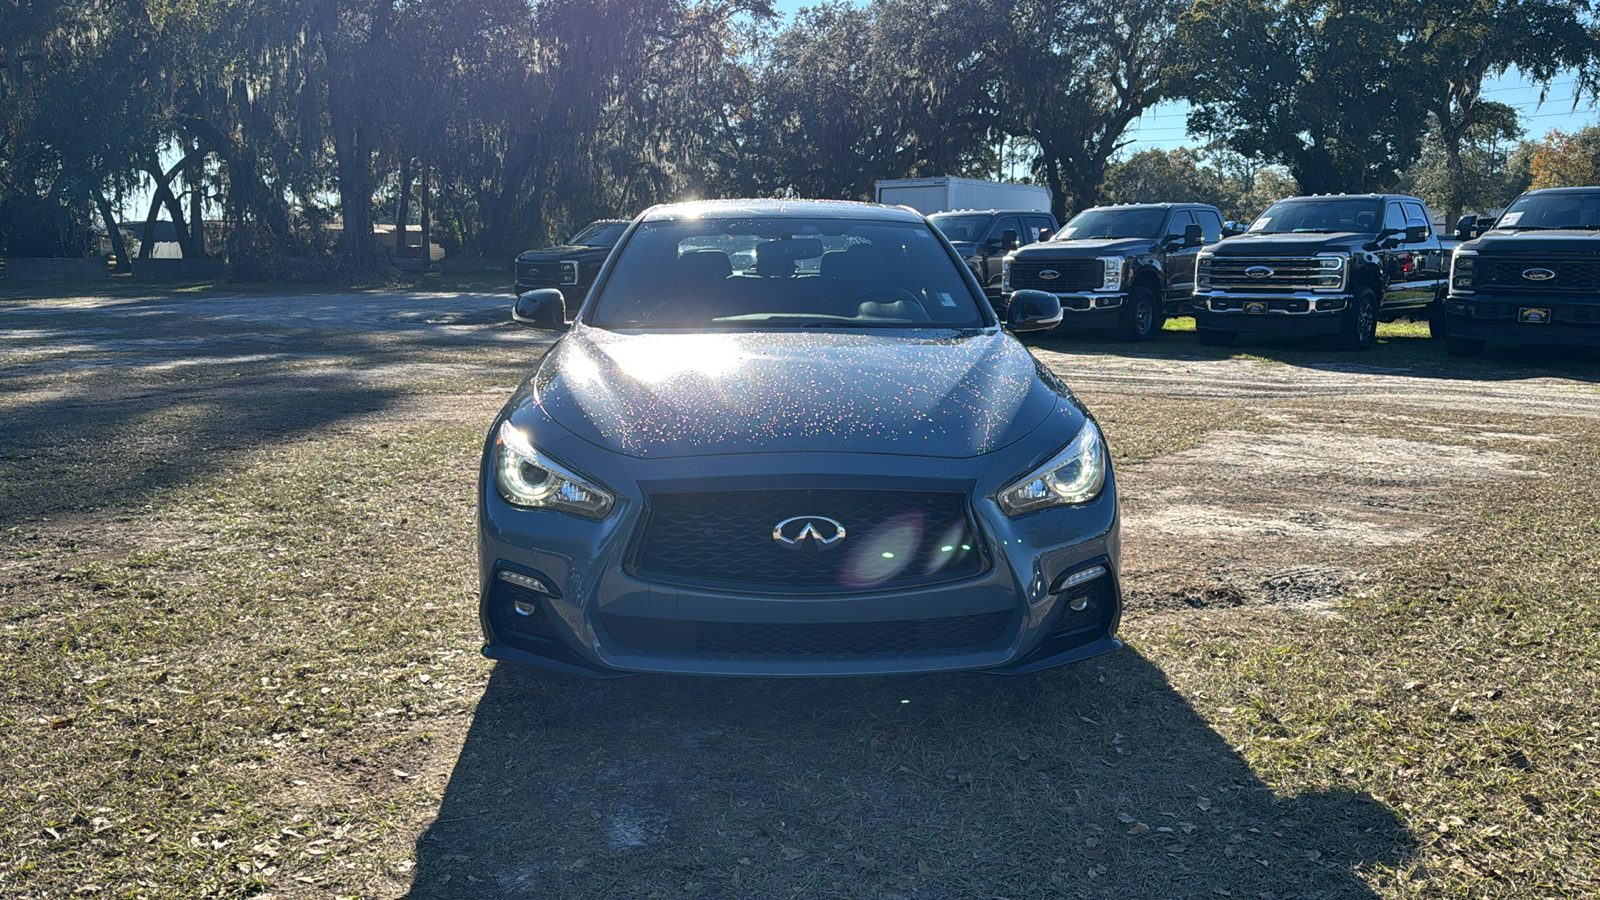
x=1097 y=781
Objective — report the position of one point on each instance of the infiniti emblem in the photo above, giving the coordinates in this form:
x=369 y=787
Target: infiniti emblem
x=1259 y=272
x=532 y=271
x=1049 y=274
x=808 y=532
x=1538 y=274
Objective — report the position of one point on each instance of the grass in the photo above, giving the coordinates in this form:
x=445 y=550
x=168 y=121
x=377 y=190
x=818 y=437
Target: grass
x=251 y=670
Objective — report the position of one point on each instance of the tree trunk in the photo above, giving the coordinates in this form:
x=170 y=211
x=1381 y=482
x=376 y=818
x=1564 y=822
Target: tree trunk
x=427 y=238
x=402 y=211
x=194 y=176
x=119 y=248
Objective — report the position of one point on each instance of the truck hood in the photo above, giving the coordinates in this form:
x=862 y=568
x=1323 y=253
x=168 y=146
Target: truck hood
x=565 y=251
x=1289 y=244
x=1566 y=240
x=951 y=394
x=1086 y=247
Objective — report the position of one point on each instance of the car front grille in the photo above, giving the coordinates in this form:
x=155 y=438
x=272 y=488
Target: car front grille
x=1570 y=274
x=539 y=273
x=1287 y=273
x=766 y=639
x=724 y=539
x=1071 y=275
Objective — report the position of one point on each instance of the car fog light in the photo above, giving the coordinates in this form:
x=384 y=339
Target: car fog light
x=521 y=580
x=1078 y=604
x=1077 y=578
x=524 y=608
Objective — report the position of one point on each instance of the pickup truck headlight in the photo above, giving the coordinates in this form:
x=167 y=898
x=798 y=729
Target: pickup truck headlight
x=1463 y=271
x=1202 y=270
x=1073 y=476
x=1330 y=271
x=1112 y=280
x=1005 y=275
x=532 y=480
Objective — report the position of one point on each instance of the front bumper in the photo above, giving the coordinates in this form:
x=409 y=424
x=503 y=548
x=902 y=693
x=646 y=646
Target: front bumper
x=1564 y=321
x=1296 y=312
x=595 y=618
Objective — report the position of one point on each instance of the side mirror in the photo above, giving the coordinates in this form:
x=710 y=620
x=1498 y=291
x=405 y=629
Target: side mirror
x=1033 y=311
x=1465 y=227
x=1009 y=239
x=544 y=308
x=1416 y=231
x=1232 y=228
x=1046 y=234
x=1193 y=236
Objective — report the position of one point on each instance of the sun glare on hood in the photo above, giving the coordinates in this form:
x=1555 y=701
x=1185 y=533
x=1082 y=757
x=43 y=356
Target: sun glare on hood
x=653 y=358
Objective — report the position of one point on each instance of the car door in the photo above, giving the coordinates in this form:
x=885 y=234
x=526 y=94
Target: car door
x=1398 y=261
x=1431 y=266
x=1180 y=262
x=992 y=250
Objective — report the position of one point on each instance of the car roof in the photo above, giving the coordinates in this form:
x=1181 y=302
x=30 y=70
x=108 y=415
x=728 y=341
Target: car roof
x=1151 y=206
x=1579 y=189
x=991 y=212
x=826 y=209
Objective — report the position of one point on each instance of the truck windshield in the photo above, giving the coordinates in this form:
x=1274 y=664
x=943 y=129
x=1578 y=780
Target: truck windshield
x=960 y=227
x=598 y=234
x=1320 y=215
x=784 y=272
x=1113 y=223
x=1563 y=209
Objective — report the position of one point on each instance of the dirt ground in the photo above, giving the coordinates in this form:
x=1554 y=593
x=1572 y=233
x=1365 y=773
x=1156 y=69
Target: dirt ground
x=1277 y=479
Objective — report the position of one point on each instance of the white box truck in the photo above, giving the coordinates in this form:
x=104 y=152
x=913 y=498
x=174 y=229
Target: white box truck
x=931 y=195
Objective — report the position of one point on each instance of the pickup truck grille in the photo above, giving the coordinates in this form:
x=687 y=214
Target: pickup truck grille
x=1071 y=275
x=1570 y=274
x=1287 y=273
x=530 y=273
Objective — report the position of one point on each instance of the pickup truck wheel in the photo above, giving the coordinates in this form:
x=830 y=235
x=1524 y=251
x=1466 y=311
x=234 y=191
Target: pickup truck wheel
x=1456 y=346
x=1436 y=321
x=1359 y=330
x=1218 y=338
x=1140 y=319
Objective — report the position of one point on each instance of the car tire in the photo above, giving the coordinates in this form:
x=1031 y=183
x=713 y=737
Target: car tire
x=1467 y=347
x=1218 y=338
x=1438 y=322
x=1140 y=319
x=1359 y=330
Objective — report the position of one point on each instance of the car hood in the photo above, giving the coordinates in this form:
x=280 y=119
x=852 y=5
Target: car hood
x=1288 y=244
x=1088 y=247
x=1559 y=241
x=952 y=394
x=564 y=250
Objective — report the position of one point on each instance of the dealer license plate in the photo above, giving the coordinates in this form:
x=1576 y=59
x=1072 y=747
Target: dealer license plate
x=1534 y=316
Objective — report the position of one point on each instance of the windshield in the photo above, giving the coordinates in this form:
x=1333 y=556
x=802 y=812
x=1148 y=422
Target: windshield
x=1553 y=210
x=1113 y=223
x=784 y=272
x=1320 y=215
x=958 y=227
x=598 y=234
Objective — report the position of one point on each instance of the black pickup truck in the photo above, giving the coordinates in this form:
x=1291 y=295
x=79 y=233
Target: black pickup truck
x=1534 y=277
x=984 y=237
x=569 y=267
x=1323 y=265
x=1122 y=267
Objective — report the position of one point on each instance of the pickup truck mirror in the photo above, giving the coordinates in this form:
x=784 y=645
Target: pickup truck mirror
x=1465 y=226
x=1231 y=228
x=1046 y=234
x=1033 y=311
x=1416 y=231
x=1193 y=236
x=1009 y=239
x=545 y=309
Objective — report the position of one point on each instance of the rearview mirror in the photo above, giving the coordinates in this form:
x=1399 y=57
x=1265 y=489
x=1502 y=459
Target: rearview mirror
x=544 y=308
x=1033 y=311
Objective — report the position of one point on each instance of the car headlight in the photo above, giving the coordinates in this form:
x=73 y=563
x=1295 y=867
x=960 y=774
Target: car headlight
x=1463 y=270
x=1202 y=270
x=1005 y=274
x=532 y=480
x=1330 y=271
x=1112 y=280
x=1073 y=476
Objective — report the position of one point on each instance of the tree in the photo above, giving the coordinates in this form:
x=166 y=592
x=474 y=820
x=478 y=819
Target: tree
x=1477 y=174
x=1323 y=87
x=1567 y=160
x=1073 y=76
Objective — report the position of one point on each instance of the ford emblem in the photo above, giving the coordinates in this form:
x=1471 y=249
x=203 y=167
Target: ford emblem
x=1538 y=274
x=1049 y=274
x=1259 y=272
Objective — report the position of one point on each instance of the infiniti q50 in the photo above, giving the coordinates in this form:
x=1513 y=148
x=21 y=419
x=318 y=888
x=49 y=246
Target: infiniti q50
x=792 y=438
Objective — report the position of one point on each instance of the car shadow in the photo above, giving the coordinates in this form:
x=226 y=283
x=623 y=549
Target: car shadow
x=1098 y=780
x=1407 y=355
